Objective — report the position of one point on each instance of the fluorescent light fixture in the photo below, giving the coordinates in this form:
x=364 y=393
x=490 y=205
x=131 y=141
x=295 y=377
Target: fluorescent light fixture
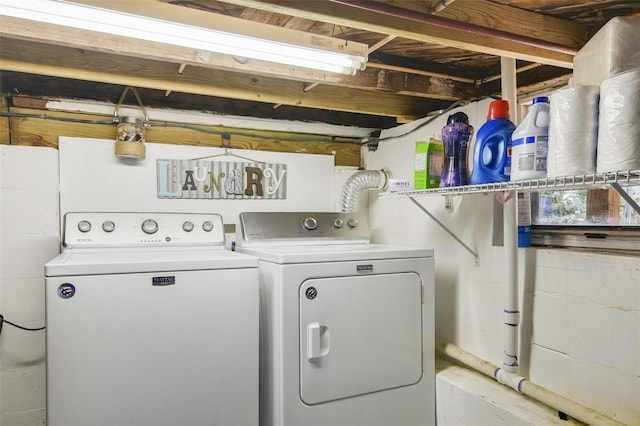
x=124 y=24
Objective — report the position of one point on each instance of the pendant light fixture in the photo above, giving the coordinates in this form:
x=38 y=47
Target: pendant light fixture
x=130 y=135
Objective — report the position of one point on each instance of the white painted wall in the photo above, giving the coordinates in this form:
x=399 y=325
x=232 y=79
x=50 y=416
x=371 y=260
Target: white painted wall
x=580 y=327
x=92 y=178
x=28 y=238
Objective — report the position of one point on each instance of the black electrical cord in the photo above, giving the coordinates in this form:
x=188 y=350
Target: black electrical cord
x=334 y=139
x=2 y=321
x=432 y=117
x=50 y=117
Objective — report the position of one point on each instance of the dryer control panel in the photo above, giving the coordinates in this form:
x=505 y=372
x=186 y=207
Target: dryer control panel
x=302 y=228
x=125 y=229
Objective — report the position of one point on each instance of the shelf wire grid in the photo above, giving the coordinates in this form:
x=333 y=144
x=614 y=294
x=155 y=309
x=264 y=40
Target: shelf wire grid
x=558 y=183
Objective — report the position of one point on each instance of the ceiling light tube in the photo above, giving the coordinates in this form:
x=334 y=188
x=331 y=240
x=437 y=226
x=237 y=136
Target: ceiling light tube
x=124 y=24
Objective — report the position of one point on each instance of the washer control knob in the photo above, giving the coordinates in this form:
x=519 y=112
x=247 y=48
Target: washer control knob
x=150 y=226
x=84 y=226
x=108 y=226
x=338 y=223
x=187 y=226
x=310 y=223
x=207 y=226
x=352 y=223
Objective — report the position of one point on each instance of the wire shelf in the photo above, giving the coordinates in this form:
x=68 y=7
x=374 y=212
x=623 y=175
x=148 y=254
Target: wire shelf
x=561 y=183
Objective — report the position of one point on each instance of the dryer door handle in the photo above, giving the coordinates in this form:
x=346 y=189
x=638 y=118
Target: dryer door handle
x=317 y=341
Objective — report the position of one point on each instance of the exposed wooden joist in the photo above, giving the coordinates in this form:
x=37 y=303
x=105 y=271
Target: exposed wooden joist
x=507 y=18
x=23 y=56
x=544 y=87
x=477 y=12
x=32 y=129
x=88 y=40
x=420 y=72
x=428 y=85
x=218 y=22
x=56 y=87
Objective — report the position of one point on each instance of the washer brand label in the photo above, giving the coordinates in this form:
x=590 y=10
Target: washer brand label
x=170 y=280
x=66 y=290
x=364 y=268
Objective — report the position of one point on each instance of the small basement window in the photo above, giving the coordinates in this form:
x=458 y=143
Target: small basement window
x=593 y=218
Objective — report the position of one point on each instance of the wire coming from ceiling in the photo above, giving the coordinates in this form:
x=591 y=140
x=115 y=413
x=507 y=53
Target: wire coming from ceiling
x=431 y=117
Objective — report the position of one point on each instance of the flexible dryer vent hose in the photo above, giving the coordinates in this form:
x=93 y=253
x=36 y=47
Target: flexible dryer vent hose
x=359 y=181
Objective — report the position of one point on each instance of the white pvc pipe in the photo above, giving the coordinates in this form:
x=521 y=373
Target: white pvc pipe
x=511 y=312
x=509 y=86
x=532 y=390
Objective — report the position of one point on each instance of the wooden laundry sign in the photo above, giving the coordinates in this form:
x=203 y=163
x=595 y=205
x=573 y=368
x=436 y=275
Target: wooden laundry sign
x=199 y=179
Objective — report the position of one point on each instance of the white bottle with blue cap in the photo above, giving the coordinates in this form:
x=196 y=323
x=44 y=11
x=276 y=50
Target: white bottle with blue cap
x=530 y=143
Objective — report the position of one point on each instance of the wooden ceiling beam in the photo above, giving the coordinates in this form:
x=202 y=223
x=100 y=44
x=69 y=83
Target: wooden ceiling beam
x=506 y=18
x=482 y=13
x=426 y=85
x=29 y=57
x=88 y=40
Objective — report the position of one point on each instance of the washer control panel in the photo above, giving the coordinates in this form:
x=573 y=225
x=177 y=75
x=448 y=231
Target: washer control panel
x=122 y=229
x=301 y=228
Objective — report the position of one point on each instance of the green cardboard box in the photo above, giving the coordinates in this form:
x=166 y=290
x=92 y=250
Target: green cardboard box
x=429 y=159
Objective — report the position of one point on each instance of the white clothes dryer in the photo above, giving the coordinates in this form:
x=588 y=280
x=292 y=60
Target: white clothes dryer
x=150 y=321
x=347 y=327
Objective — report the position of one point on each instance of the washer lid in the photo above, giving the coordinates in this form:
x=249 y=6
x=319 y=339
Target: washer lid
x=334 y=253
x=124 y=261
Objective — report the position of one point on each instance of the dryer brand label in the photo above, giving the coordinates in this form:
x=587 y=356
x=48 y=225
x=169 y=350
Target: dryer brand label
x=66 y=290
x=161 y=281
x=364 y=268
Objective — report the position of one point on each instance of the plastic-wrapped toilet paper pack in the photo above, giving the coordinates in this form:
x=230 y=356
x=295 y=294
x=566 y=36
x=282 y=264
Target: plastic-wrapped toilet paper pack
x=613 y=49
x=573 y=131
x=619 y=123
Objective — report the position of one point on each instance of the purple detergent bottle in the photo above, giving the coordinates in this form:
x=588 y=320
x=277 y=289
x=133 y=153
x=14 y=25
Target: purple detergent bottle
x=456 y=136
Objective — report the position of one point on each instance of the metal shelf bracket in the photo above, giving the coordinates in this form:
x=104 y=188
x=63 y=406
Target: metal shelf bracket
x=475 y=254
x=624 y=194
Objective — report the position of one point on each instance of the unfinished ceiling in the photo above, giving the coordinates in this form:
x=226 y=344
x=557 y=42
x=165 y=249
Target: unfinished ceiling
x=423 y=56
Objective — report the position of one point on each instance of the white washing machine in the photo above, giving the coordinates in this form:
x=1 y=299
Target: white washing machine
x=150 y=321
x=347 y=327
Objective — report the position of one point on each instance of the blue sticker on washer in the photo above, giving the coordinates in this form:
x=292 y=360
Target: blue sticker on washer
x=66 y=290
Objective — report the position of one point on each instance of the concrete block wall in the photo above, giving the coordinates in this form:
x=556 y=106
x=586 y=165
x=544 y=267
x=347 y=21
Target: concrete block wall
x=29 y=237
x=586 y=340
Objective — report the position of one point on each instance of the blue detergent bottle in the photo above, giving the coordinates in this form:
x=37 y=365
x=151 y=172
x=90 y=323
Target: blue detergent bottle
x=492 y=148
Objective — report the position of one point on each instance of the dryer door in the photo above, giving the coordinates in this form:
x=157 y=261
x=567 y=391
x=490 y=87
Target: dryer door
x=359 y=334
